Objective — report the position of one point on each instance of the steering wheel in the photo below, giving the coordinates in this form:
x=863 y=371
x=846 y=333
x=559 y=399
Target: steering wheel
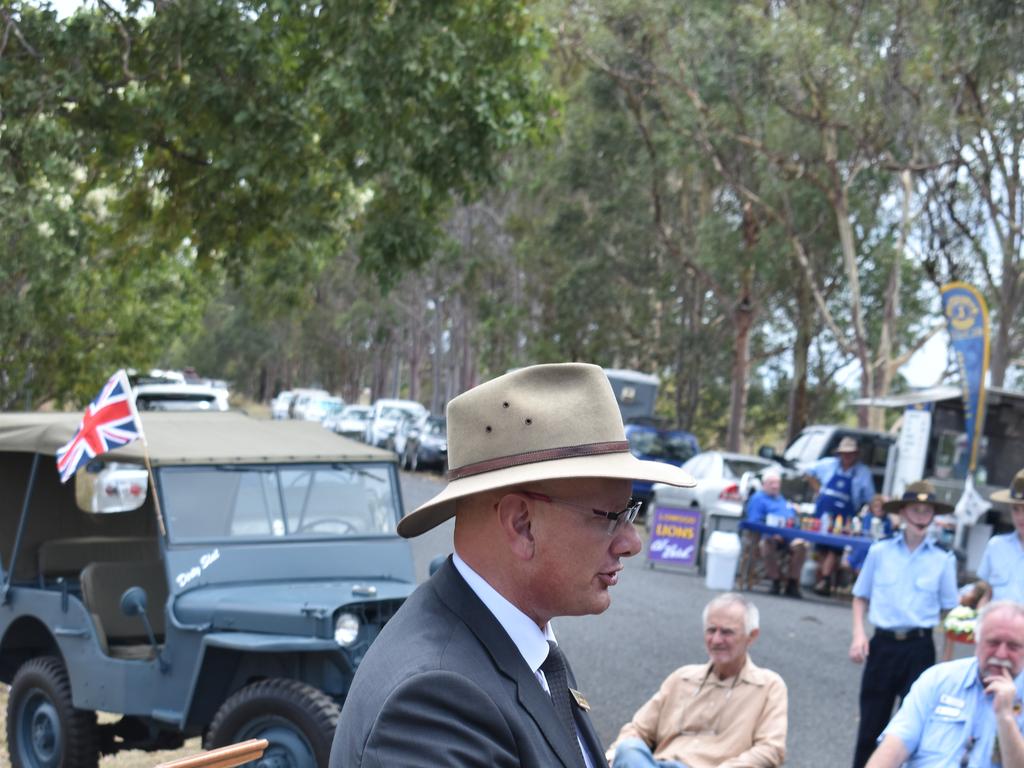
x=344 y=525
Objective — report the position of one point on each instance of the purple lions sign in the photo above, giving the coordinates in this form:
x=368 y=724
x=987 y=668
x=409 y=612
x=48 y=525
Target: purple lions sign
x=675 y=534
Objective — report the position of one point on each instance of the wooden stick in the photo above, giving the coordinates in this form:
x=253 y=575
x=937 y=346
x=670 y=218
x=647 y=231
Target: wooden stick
x=223 y=757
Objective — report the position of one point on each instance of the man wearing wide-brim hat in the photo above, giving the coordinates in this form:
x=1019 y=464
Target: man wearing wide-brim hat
x=905 y=586
x=842 y=485
x=1002 y=565
x=468 y=672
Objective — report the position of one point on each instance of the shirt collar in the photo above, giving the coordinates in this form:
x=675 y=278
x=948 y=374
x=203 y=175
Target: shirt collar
x=927 y=543
x=527 y=636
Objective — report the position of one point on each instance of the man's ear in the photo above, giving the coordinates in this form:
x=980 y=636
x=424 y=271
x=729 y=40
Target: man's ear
x=514 y=517
x=754 y=635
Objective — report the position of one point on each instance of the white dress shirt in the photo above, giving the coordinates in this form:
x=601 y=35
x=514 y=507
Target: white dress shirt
x=531 y=641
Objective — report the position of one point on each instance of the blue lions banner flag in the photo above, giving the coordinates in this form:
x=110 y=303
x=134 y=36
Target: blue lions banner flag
x=967 y=320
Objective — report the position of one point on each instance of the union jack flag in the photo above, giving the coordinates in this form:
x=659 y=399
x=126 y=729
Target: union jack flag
x=110 y=421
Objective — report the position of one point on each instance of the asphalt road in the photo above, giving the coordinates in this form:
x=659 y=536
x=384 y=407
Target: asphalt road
x=654 y=626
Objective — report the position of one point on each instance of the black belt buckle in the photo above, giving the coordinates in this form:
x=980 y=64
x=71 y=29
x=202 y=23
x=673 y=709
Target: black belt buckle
x=901 y=635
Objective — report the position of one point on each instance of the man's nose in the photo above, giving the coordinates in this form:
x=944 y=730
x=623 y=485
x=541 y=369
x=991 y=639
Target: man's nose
x=627 y=541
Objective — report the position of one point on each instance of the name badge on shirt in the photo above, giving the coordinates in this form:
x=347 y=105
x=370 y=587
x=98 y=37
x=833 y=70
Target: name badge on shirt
x=952 y=701
x=581 y=700
x=943 y=710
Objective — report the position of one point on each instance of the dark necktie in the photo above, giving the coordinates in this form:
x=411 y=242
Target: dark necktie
x=558 y=685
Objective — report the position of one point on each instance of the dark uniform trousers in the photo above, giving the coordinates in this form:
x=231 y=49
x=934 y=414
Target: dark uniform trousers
x=892 y=666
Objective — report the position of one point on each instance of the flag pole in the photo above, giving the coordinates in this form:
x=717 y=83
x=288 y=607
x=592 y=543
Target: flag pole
x=145 y=458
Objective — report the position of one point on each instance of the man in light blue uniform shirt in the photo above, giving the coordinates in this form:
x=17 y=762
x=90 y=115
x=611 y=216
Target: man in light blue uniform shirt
x=1002 y=565
x=965 y=713
x=906 y=583
x=843 y=485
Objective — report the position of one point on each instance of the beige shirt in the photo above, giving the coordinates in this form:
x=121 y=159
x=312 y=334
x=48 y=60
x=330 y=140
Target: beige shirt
x=704 y=722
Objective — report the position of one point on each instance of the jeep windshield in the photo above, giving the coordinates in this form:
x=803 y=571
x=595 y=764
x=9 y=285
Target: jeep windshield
x=279 y=501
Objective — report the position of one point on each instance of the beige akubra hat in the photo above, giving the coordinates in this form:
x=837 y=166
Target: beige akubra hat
x=545 y=422
x=1012 y=495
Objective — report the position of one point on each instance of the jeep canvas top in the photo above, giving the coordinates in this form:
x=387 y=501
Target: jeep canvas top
x=236 y=604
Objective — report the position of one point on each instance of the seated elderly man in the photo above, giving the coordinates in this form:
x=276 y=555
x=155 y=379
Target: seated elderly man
x=767 y=502
x=965 y=712
x=727 y=712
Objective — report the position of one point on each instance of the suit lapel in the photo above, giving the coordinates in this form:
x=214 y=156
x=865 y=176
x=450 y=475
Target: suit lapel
x=463 y=601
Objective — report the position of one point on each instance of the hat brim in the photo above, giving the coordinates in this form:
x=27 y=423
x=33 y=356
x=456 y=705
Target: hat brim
x=897 y=505
x=1004 y=497
x=622 y=466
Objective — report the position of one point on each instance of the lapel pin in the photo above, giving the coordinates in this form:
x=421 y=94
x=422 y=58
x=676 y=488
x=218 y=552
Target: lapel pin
x=581 y=700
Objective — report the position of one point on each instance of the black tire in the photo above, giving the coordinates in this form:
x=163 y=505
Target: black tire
x=298 y=720
x=44 y=730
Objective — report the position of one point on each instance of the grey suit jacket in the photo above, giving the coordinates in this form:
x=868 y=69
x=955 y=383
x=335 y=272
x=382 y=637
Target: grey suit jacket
x=444 y=685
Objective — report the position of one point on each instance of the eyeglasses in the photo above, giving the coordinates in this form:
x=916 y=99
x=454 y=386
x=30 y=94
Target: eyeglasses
x=615 y=519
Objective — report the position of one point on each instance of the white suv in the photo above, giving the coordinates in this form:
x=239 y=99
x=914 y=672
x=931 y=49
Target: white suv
x=384 y=418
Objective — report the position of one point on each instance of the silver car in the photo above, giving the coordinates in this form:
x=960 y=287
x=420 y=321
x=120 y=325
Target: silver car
x=722 y=485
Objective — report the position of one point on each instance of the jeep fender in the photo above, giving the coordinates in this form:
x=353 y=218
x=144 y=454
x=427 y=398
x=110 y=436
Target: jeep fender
x=227 y=661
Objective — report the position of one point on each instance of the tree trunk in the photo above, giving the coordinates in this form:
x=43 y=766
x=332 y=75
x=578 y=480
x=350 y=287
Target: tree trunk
x=798 y=405
x=743 y=320
x=743 y=313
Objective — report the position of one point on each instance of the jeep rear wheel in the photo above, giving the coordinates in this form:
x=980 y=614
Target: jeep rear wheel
x=297 y=719
x=44 y=730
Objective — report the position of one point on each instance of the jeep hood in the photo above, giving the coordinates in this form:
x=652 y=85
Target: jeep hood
x=299 y=608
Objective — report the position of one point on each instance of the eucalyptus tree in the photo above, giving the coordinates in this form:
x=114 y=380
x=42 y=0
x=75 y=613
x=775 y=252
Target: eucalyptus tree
x=235 y=136
x=977 y=204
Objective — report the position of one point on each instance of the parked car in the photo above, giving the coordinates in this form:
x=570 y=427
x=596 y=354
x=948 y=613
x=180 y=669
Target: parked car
x=302 y=399
x=319 y=408
x=652 y=443
x=384 y=419
x=238 y=607
x=280 y=404
x=422 y=442
x=180 y=397
x=722 y=485
x=350 y=421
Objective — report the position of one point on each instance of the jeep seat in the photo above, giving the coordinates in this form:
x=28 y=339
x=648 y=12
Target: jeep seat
x=102 y=586
x=67 y=557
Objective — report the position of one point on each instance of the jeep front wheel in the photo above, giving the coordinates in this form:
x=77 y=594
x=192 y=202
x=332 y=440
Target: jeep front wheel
x=297 y=719
x=44 y=730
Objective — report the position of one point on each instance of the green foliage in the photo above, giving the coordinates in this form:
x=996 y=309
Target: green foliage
x=251 y=140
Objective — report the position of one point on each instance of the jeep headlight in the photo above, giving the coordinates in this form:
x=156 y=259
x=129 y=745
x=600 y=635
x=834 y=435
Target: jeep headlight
x=346 y=629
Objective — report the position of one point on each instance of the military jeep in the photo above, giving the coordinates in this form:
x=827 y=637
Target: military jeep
x=232 y=597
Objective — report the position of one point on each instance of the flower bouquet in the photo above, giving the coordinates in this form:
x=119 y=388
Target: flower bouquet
x=959 y=623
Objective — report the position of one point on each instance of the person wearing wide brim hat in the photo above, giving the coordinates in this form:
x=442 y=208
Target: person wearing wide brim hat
x=468 y=670
x=921 y=492
x=1002 y=564
x=842 y=485
x=905 y=585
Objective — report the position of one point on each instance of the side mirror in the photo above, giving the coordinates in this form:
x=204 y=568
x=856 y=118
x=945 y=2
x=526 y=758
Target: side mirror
x=134 y=602
x=767 y=452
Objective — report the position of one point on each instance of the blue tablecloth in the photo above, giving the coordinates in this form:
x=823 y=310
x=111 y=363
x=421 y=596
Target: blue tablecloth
x=857 y=543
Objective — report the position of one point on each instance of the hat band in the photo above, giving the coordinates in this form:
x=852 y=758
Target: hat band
x=532 y=457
